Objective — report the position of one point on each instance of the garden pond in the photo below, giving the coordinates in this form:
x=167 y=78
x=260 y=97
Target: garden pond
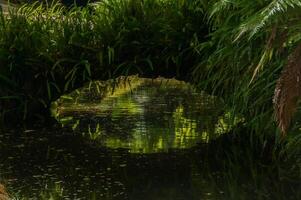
x=122 y=139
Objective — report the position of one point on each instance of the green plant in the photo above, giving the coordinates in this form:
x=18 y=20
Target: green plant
x=249 y=44
x=48 y=50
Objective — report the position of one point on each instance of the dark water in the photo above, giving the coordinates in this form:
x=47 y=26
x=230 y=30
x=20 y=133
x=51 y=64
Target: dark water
x=42 y=163
x=141 y=143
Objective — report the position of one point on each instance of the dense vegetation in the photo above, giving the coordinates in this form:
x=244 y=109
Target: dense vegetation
x=46 y=51
x=250 y=43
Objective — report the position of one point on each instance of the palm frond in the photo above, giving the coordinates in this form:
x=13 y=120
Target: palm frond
x=256 y=22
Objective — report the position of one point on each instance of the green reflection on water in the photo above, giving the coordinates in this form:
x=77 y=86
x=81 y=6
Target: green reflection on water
x=143 y=115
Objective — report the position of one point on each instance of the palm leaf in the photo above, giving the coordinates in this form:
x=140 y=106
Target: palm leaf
x=256 y=22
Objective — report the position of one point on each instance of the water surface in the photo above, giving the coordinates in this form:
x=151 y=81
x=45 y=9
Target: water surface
x=145 y=115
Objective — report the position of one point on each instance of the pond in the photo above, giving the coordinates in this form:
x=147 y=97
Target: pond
x=117 y=140
x=143 y=115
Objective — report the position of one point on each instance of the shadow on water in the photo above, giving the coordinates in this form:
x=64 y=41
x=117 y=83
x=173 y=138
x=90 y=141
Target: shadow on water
x=45 y=160
x=148 y=141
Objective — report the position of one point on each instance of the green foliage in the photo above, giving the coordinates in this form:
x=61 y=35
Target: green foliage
x=48 y=50
x=248 y=45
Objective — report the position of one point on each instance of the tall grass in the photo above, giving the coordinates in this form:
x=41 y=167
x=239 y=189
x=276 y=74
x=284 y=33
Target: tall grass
x=249 y=44
x=46 y=51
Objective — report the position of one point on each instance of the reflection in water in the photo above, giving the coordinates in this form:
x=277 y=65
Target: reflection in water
x=144 y=115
